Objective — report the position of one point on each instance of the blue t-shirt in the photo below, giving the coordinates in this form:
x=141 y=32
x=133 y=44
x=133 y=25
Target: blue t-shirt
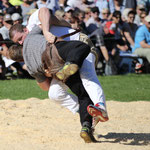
x=141 y=34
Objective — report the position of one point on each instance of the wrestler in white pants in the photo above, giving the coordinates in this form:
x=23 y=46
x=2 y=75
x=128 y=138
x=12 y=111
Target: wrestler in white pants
x=58 y=90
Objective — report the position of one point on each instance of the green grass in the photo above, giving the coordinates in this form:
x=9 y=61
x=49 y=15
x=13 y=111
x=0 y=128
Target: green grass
x=126 y=88
x=20 y=89
x=120 y=88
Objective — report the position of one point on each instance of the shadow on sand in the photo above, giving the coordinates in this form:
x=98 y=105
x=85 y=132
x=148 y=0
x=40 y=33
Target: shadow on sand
x=127 y=138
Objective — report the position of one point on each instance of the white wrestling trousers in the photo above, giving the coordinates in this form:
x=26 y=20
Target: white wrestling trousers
x=58 y=90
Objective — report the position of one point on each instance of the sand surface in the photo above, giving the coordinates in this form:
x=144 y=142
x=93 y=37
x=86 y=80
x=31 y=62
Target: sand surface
x=35 y=124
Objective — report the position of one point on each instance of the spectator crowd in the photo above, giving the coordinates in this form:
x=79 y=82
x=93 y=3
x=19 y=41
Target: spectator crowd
x=119 y=29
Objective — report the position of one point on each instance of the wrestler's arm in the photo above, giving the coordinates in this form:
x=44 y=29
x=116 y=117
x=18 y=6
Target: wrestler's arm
x=45 y=85
x=47 y=20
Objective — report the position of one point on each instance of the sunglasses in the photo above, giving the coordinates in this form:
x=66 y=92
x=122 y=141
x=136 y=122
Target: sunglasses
x=105 y=13
x=131 y=17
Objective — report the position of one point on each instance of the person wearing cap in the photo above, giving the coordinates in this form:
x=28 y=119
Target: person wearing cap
x=7 y=23
x=16 y=18
x=139 y=10
x=145 y=3
x=142 y=40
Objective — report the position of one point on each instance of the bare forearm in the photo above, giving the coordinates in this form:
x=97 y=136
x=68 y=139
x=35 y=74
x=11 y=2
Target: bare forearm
x=45 y=19
x=144 y=45
x=129 y=38
x=104 y=52
x=48 y=19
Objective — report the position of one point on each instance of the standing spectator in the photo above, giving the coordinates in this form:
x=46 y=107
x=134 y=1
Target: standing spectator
x=109 y=4
x=142 y=40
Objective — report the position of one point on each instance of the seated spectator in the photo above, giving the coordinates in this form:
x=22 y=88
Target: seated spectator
x=142 y=40
x=130 y=4
x=26 y=6
x=119 y=5
x=122 y=34
x=80 y=4
x=7 y=23
x=139 y=10
x=131 y=25
x=60 y=13
x=94 y=21
x=2 y=64
x=106 y=4
x=7 y=7
x=105 y=15
x=41 y=3
x=79 y=16
x=145 y=3
x=1 y=19
x=53 y=5
x=16 y=18
x=62 y=4
x=142 y=17
x=68 y=13
x=105 y=42
x=16 y=2
x=125 y=14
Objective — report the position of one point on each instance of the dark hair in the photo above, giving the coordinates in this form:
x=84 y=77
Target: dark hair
x=15 y=53
x=117 y=14
x=15 y=28
x=95 y=9
x=131 y=12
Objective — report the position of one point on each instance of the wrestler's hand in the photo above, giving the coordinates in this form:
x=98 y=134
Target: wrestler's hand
x=50 y=37
x=47 y=73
